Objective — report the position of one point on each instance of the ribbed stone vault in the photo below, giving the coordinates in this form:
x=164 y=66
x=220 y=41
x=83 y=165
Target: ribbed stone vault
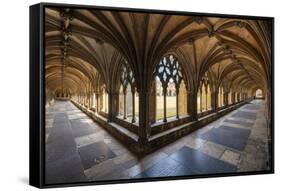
x=85 y=50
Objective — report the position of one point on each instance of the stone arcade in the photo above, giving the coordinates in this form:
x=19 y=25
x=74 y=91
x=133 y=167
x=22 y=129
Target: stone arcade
x=132 y=95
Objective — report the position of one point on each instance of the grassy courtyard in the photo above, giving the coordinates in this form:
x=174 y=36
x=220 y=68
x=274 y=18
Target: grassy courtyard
x=171 y=107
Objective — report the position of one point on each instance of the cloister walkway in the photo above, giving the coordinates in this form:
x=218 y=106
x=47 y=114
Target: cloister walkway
x=78 y=149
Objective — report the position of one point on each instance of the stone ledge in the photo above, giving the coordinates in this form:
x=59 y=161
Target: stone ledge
x=160 y=139
x=175 y=133
x=130 y=126
x=160 y=127
x=119 y=132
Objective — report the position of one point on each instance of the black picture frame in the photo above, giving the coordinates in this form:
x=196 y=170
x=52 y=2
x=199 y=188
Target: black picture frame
x=37 y=95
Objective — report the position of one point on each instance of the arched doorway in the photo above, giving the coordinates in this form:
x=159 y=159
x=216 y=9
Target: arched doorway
x=259 y=94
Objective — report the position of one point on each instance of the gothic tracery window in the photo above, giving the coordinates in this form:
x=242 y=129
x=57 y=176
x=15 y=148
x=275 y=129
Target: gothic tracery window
x=230 y=96
x=169 y=77
x=220 y=97
x=127 y=94
x=104 y=100
x=204 y=95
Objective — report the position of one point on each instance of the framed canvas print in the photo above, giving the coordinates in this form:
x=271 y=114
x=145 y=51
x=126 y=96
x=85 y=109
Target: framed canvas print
x=122 y=95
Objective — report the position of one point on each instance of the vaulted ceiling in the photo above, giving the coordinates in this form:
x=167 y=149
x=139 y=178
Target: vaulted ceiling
x=87 y=46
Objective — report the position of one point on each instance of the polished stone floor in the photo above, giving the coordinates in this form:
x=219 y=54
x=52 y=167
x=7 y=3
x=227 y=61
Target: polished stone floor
x=78 y=149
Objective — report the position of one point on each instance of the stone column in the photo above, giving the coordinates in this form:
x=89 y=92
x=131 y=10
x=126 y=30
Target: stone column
x=187 y=101
x=177 y=101
x=229 y=101
x=214 y=100
x=114 y=103
x=200 y=100
x=84 y=99
x=225 y=98
x=133 y=103
x=110 y=106
x=89 y=100
x=152 y=103
x=192 y=105
x=165 y=104
x=97 y=102
x=144 y=124
x=125 y=103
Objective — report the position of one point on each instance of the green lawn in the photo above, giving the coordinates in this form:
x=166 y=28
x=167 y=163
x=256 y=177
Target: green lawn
x=171 y=107
x=170 y=112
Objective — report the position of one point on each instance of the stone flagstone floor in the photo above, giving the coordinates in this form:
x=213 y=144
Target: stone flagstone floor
x=78 y=149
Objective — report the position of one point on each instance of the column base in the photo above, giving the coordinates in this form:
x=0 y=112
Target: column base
x=133 y=120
